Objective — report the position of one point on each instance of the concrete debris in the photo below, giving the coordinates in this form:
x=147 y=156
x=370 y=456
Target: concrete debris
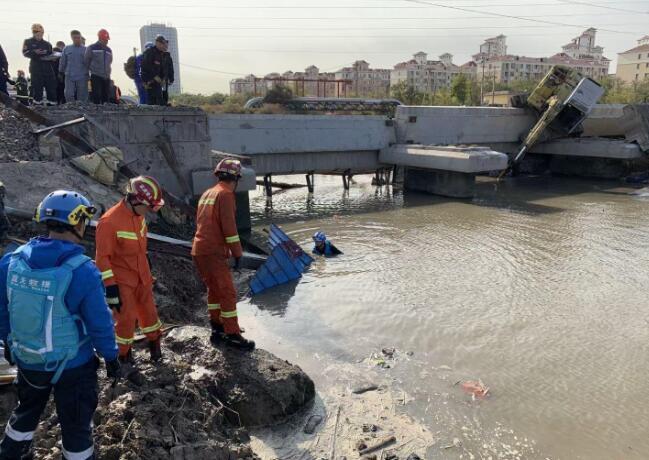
x=28 y=182
x=101 y=165
x=16 y=139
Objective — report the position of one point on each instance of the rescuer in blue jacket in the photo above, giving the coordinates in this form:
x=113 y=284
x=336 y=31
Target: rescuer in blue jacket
x=139 y=83
x=53 y=316
x=324 y=247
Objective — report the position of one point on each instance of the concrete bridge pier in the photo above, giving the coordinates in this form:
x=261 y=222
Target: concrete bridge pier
x=442 y=170
x=445 y=183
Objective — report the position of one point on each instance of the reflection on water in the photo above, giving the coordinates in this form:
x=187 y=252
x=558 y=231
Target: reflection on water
x=538 y=287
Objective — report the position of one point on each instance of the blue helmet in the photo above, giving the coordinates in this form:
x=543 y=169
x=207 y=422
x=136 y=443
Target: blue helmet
x=319 y=237
x=64 y=206
x=148 y=45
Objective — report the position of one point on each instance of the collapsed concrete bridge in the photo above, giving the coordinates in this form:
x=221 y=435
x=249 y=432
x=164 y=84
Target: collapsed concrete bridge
x=440 y=149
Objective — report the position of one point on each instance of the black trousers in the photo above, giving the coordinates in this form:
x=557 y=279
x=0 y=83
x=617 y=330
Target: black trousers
x=75 y=396
x=43 y=77
x=154 y=95
x=100 y=87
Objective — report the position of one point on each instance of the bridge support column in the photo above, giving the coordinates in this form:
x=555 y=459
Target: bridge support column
x=244 y=222
x=268 y=185
x=436 y=182
x=310 y=182
x=347 y=179
x=381 y=177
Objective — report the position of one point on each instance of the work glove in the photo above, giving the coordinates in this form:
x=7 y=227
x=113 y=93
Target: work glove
x=158 y=80
x=237 y=264
x=7 y=353
x=113 y=299
x=113 y=369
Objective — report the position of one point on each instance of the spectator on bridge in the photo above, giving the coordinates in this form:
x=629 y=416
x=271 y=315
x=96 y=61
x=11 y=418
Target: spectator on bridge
x=168 y=73
x=139 y=83
x=22 y=88
x=74 y=70
x=57 y=52
x=98 y=59
x=39 y=51
x=153 y=71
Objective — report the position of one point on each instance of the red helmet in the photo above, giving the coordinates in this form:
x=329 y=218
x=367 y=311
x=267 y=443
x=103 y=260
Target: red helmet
x=229 y=166
x=103 y=35
x=146 y=190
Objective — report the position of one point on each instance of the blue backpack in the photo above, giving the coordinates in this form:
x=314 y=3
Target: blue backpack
x=43 y=332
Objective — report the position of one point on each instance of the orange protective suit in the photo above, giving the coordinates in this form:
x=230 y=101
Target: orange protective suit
x=215 y=241
x=121 y=257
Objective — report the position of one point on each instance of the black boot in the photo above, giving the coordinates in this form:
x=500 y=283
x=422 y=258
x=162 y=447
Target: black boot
x=217 y=334
x=238 y=341
x=129 y=371
x=154 y=350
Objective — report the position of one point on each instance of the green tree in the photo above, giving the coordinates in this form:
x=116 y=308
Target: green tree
x=460 y=89
x=278 y=95
x=406 y=93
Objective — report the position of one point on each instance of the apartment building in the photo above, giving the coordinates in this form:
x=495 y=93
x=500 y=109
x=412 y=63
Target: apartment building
x=365 y=81
x=581 y=53
x=633 y=65
x=428 y=76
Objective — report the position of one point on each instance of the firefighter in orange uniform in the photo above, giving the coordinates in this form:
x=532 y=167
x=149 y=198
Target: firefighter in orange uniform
x=216 y=240
x=124 y=266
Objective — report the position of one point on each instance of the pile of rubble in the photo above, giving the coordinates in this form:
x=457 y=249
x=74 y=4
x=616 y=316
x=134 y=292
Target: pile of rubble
x=17 y=143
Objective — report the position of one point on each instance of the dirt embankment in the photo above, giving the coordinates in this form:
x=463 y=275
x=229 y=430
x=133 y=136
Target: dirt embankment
x=196 y=404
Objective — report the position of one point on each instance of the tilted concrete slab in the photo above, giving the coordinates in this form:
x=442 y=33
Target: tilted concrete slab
x=265 y=134
x=469 y=160
x=591 y=147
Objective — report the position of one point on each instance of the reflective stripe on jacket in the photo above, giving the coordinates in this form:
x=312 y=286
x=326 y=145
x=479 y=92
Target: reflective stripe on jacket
x=122 y=247
x=216 y=224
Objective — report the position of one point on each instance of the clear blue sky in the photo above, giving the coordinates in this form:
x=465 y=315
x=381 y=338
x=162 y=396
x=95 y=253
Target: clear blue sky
x=260 y=36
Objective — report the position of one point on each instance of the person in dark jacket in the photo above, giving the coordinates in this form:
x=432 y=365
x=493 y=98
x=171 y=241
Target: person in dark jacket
x=4 y=71
x=60 y=82
x=167 y=74
x=22 y=88
x=98 y=59
x=152 y=71
x=39 y=51
x=51 y=276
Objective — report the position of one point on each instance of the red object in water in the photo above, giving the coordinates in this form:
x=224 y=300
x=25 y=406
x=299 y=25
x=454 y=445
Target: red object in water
x=475 y=388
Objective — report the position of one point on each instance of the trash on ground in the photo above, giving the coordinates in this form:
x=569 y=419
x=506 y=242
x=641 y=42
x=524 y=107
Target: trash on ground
x=359 y=390
x=312 y=423
x=476 y=388
x=379 y=445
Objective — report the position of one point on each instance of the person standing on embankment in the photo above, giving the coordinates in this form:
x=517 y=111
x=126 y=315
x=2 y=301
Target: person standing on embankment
x=53 y=316
x=216 y=239
x=122 y=259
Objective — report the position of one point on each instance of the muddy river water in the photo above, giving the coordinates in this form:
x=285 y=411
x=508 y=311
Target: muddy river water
x=538 y=287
